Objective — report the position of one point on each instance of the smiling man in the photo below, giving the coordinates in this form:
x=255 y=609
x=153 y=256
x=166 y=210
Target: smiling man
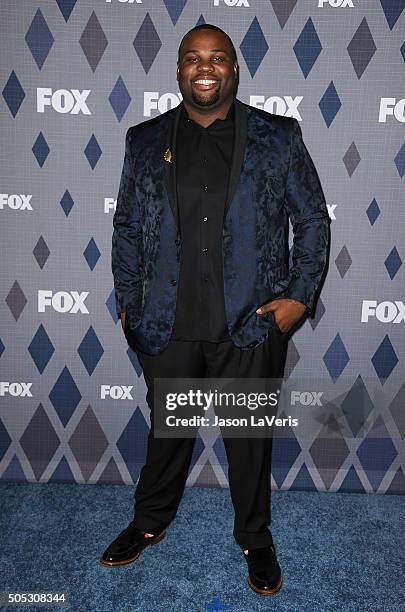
x=202 y=278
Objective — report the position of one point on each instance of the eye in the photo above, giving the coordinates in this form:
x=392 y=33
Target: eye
x=218 y=57
x=191 y=59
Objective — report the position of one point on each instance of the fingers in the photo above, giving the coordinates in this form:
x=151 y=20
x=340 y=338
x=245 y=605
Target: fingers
x=264 y=308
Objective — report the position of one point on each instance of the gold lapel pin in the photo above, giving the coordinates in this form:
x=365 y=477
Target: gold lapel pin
x=168 y=156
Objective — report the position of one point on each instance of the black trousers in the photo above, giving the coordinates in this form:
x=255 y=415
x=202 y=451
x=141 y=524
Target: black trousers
x=163 y=477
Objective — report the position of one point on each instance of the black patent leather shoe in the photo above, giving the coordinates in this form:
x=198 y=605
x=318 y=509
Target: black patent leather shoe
x=264 y=571
x=128 y=546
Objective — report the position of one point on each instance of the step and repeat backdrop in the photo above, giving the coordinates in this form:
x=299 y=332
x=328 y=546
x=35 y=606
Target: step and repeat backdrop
x=75 y=74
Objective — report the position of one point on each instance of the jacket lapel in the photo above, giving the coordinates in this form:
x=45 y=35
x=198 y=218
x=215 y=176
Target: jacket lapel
x=170 y=167
x=238 y=154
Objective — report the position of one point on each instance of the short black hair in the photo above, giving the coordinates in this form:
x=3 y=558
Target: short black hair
x=209 y=26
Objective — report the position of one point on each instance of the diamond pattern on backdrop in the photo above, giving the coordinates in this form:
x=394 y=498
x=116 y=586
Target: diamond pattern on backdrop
x=92 y=152
x=16 y=300
x=111 y=306
x=361 y=48
x=293 y=358
x=254 y=47
x=65 y=396
x=39 y=39
x=111 y=474
x=175 y=8
x=41 y=349
x=90 y=351
x=62 y=473
x=93 y=42
x=14 y=472
x=303 y=481
x=319 y=313
x=376 y=454
x=39 y=441
x=307 y=48
x=351 y=159
x=13 y=93
x=402 y=50
x=352 y=482
x=393 y=262
x=41 y=252
x=336 y=358
x=287 y=49
x=285 y=452
x=91 y=254
x=397 y=486
x=373 y=211
x=132 y=443
x=330 y=104
x=147 y=43
x=357 y=407
x=66 y=7
x=88 y=443
x=343 y=261
x=399 y=161
x=5 y=441
x=40 y=149
x=283 y=10
x=392 y=11
x=67 y=203
x=119 y=98
x=207 y=477
x=397 y=411
x=384 y=359
x=329 y=453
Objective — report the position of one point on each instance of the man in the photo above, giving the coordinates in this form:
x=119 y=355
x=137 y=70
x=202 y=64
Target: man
x=203 y=285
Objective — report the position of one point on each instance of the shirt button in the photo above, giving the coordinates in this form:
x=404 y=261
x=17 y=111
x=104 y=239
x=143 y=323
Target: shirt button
x=205 y=278
x=205 y=219
x=205 y=250
x=173 y=282
x=204 y=160
x=204 y=187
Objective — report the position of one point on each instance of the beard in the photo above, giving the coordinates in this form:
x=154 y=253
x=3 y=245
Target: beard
x=205 y=100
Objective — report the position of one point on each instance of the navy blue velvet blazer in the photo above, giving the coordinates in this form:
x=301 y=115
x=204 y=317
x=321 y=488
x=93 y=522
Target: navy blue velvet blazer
x=272 y=179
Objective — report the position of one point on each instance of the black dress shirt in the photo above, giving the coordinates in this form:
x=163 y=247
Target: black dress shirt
x=203 y=161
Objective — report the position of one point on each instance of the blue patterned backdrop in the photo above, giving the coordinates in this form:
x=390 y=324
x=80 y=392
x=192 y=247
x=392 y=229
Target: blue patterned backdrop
x=75 y=74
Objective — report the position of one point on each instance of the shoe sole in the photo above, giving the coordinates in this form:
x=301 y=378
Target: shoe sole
x=265 y=591
x=158 y=539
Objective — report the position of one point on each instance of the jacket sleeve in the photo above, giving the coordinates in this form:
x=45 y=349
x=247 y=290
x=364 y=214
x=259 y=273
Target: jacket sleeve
x=126 y=252
x=306 y=207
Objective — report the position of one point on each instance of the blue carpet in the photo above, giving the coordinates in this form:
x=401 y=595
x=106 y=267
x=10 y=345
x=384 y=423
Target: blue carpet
x=337 y=551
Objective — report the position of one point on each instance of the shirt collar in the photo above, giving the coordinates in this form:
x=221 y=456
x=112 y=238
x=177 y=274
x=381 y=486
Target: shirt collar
x=230 y=115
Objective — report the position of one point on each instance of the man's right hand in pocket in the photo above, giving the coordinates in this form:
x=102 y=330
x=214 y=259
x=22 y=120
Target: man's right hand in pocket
x=122 y=315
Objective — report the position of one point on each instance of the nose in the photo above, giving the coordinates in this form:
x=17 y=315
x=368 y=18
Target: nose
x=205 y=66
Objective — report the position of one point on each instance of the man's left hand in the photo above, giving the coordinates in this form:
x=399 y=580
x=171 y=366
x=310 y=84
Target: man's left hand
x=286 y=312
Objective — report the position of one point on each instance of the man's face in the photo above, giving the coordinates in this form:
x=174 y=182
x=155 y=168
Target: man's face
x=206 y=71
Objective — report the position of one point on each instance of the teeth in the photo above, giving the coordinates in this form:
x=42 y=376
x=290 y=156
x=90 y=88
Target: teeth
x=205 y=81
